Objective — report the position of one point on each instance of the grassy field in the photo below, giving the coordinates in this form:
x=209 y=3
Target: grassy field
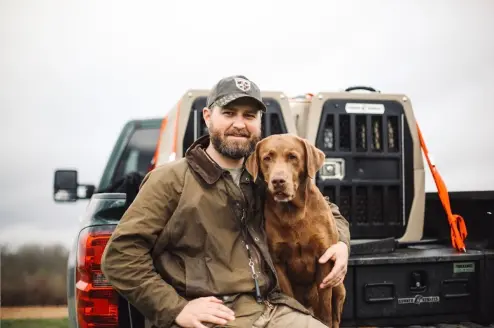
x=34 y=323
x=33 y=312
x=34 y=316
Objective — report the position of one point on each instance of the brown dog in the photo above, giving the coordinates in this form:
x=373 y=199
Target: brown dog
x=299 y=223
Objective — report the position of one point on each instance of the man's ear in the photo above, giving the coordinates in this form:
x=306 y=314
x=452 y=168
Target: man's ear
x=315 y=158
x=252 y=162
x=206 y=115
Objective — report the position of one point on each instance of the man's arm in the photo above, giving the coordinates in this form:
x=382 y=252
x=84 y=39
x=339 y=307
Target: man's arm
x=341 y=224
x=338 y=252
x=127 y=262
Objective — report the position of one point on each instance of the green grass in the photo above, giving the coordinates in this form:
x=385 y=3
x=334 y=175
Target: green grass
x=34 y=323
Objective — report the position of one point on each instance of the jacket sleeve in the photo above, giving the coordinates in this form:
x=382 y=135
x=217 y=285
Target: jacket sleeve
x=127 y=261
x=341 y=224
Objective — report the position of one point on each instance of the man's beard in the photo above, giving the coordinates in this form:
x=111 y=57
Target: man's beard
x=233 y=149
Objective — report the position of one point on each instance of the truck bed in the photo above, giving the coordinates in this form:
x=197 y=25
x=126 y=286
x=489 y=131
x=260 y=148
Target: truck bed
x=423 y=285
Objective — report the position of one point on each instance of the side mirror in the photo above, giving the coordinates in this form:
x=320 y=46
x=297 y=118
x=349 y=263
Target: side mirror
x=66 y=187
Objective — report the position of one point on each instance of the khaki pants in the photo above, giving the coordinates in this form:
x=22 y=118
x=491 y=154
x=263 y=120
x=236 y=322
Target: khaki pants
x=249 y=314
x=282 y=316
x=254 y=315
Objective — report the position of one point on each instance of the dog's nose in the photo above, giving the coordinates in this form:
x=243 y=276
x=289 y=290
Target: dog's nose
x=278 y=182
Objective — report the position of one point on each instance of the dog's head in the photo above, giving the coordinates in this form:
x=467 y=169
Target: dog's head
x=284 y=161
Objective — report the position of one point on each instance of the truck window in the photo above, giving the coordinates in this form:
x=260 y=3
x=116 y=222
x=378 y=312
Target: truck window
x=138 y=153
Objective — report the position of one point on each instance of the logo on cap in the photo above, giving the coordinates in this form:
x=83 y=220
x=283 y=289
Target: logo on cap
x=242 y=84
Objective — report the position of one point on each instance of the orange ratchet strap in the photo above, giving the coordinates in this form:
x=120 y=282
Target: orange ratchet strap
x=456 y=222
x=158 y=145
x=174 y=141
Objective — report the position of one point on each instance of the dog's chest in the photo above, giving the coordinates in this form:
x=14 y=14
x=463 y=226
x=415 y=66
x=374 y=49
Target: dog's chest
x=298 y=258
x=298 y=251
x=288 y=242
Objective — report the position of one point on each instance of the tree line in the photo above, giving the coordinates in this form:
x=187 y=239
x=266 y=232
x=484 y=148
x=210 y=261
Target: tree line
x=34 y=275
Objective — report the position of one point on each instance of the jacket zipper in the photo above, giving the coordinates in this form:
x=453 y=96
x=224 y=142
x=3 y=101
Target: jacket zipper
x=255 y=275
x=260 y=260
x=249 y=239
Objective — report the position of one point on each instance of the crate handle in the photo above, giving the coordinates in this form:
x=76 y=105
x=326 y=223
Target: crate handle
x=379 y=299
x=362 y=87
x=456 y=281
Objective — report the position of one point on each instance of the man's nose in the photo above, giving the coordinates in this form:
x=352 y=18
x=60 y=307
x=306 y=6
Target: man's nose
x=239 y=122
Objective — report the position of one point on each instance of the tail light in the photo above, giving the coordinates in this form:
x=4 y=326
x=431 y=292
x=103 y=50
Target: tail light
x=96 y=300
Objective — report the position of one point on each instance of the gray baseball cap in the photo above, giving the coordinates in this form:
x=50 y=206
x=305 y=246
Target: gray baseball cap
x=232 y=88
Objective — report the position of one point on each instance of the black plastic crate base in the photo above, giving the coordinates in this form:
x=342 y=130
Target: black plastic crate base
x=427 y=285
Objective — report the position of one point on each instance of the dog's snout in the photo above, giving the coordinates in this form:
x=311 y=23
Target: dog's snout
x=278 y=182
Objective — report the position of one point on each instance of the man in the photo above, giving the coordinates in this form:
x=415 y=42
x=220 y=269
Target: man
x=190 y=250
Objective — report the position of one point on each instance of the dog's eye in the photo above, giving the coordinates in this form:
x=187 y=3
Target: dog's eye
x=292 y=157
x=266 y=158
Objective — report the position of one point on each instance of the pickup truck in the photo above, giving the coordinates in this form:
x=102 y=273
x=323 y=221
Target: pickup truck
x=402 y=269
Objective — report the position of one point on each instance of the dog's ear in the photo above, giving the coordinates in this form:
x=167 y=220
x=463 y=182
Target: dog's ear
x=252 y=163
x=315 y=158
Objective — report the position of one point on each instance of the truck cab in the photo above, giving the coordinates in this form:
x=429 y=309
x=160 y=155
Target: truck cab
x=400 y=271
x=132 y=152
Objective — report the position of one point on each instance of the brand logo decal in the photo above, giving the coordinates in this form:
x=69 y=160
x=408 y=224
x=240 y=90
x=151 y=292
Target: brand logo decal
x=419 y=299
x=464 y=267
x=242 y=84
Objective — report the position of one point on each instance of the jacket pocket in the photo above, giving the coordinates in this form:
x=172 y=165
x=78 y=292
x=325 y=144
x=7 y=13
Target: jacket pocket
x=196 y=278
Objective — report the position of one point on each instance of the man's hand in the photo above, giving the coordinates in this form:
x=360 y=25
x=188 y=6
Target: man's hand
x=204 y=309
x=339 y=254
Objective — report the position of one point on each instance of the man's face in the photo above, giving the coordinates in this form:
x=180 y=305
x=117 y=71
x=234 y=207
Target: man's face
x=234 y=129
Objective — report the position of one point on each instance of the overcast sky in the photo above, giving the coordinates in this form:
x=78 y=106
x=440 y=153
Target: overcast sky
x=72 y=73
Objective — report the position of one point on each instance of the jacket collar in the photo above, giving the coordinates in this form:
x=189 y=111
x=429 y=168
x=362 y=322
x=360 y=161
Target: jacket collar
x=201 y=163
